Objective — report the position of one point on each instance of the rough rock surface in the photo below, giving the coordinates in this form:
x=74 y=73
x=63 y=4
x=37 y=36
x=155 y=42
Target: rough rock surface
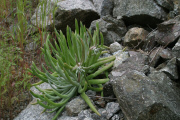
x=166 y=4
x=75 y=106
x=115 y=47
x=142 y=97
x=120 y=57
x=135 y=37
x=171 y=69
x=112 y=29
x=104 y=7
x=84 y=115
x=111 y=109
x=33 y=112
x=168 y=31
x=177 y=46
x=67 y=11
x=137 y=62
x=159 y=54
x=142 y=12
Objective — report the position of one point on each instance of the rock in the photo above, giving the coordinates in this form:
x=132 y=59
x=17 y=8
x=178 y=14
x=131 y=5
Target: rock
x=75 y=106
x=168 y=32
x=112 y=29
x=119 y=116
x=68 y=118
x=98 y=5
x=84 y=115
x=115 y=47
x=135 y=62
x=67 y=11
x=33 y=112
x=103 y=116
x=31 y=47
x=100 y=102
x=41 y=86
x=135 y=37
x=171 y=69
x=115 y=117
x=177 y=46
x=176 y=10
x=146 y=13
x=91 y=93
x=142 y=97
x=104 y=7
x=159 y=55
x=166 y=4
x=150 y=42
x=111 y=109
x=120 y=57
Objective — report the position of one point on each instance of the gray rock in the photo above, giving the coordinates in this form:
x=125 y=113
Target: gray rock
x=135 y=37
x=91 y=93
x=41 y=86
x=168 y=31
x=145 y=12
x=150 y=41
x=33 y=112
x=147 y=98
x=120 y=57
x=112 y=29
x=67 y=11
x=166 y=4
x=158 y=53
x=31 y=46
x=68 y=118
x=84 y=115
x=105 y=55
x=178 y=61
x=104 y=7
x=111 y=109
x=176 y=10
x=177 y=46
x=115 y=47
x=171 y=69
x=115 y=117
x=103 y=114
x=75 y=106
x=98 y=5
x=135 y=62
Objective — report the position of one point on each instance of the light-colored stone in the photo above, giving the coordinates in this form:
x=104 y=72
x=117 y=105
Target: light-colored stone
x=75 y=106
x=135 y=37
x=115 y=47
x=120 y=57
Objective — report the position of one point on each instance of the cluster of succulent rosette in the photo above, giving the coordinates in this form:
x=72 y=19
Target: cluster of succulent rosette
x=73 y=69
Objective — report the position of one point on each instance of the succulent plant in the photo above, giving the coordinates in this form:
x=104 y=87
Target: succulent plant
x=73 y=70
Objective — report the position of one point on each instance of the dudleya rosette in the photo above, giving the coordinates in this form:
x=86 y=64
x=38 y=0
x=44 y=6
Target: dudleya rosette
x=73 y=70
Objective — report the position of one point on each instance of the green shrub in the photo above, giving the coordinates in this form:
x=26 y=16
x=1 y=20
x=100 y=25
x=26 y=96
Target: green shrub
x=73 y=70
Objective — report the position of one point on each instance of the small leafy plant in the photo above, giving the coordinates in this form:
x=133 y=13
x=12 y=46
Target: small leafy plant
x=74 y=69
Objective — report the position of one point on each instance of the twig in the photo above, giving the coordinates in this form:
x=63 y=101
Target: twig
x=102 y=97
x=8 y=15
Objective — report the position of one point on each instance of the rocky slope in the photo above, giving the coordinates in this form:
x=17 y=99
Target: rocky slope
x=145 y=80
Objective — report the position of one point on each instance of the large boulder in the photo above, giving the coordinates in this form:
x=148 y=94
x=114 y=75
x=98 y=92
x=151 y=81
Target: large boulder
x=112 y=29
x=142 y=97
x=142 y=12
x=65 y=14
